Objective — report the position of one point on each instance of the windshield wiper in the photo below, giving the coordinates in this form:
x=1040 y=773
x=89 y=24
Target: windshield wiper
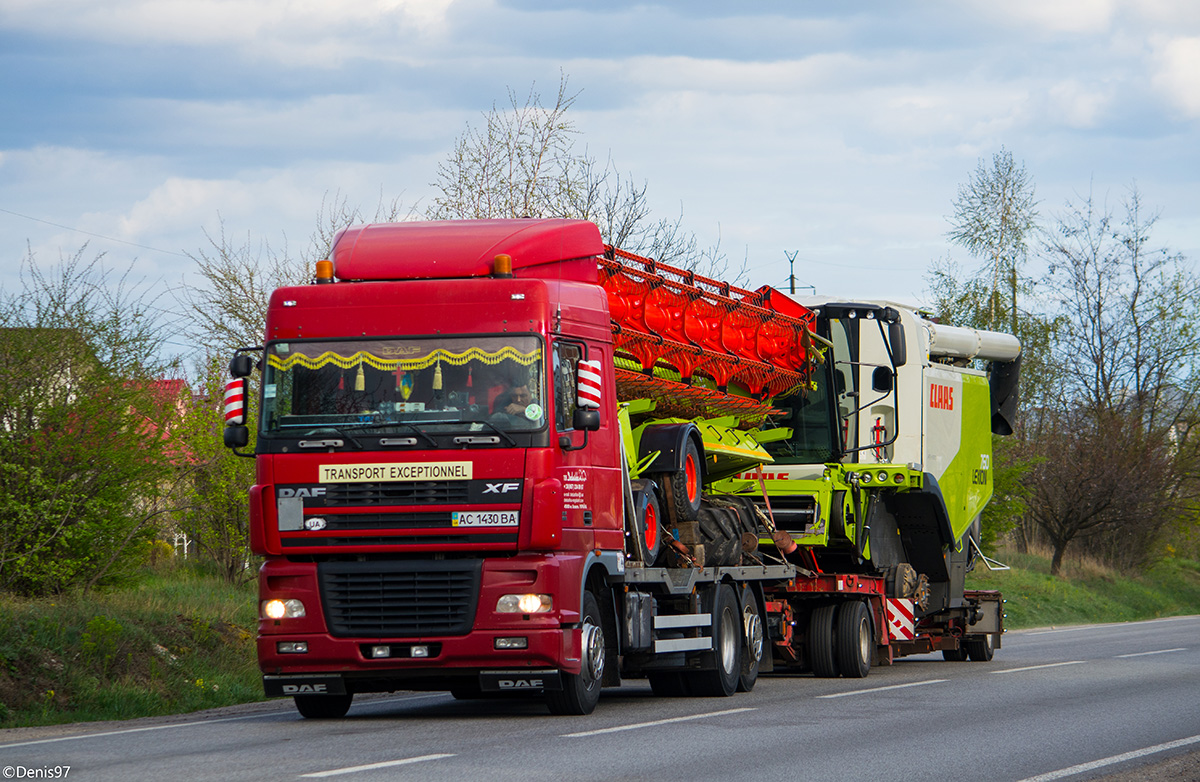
x=330 y=443
x=498 y=431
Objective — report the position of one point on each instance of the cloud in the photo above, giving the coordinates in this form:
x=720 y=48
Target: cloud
x=1178 y=74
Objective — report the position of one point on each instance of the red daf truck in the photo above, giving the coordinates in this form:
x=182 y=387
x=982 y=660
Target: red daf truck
x=499 y=456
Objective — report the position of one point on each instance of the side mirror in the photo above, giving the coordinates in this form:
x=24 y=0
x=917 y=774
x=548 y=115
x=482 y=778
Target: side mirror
x=237 y=436
x=881 y=380
x=586 y=419
x=898 y=343
x=241 y=365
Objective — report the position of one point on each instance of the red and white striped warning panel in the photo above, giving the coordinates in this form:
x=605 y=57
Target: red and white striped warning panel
x=589 y=384
x=901 y=621
x=235 y=402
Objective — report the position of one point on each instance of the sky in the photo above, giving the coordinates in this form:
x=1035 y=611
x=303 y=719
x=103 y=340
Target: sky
x=836 y=133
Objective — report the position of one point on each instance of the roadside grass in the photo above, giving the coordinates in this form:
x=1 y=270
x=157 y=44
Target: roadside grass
x=180 y=641
x=183 y=640
x=1088 y=592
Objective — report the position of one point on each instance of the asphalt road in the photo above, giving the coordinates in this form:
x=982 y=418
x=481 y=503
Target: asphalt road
x=1073 y=703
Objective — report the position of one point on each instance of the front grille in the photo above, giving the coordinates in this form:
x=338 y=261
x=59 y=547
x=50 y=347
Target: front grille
x=415 y=493
x=399 y=599
x=426 y=520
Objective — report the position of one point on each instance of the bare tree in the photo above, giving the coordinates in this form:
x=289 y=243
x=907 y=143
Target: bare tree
x=995 y=215
x=521 y=162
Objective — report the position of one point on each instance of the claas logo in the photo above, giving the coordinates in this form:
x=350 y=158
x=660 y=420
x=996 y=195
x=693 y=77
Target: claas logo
x=941 y=397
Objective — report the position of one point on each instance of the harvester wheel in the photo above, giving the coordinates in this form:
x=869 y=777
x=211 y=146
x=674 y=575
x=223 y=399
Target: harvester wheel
x=581 y=691
x=323 y=707
x=721 y=536
x=687 y=482
x=982 y=649
x=724 y=678
x=820 y=642
x=649 y=520
x=855 y=645
x=753 y=642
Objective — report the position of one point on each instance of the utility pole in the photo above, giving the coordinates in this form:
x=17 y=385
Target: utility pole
x=791 y=271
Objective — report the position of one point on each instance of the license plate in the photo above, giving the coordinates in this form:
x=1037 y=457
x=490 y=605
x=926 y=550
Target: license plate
x=484 y=518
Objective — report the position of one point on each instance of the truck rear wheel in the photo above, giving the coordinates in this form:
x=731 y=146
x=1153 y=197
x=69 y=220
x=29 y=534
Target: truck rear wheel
x=752 y=637
x=724 y=678
x=323 y=707
x=820 y=642
x=855 y=645
x=581 y=691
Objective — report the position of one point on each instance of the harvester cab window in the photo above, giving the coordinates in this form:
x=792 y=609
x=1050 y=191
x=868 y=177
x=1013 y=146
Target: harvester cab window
x=816 y=435
x=843 y=332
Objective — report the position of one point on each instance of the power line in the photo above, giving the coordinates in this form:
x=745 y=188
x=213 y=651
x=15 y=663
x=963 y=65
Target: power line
x=89 y=233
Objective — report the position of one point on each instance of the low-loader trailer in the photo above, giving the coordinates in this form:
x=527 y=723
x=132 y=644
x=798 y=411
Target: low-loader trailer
x=500 y=457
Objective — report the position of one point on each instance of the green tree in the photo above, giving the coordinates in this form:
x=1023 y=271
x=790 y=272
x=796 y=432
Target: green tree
x=83 y=427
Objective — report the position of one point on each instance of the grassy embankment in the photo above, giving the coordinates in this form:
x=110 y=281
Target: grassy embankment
x=182 y=641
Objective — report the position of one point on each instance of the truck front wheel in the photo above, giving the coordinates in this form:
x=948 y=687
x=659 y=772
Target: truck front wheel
x=581 y=691
x=323 y=707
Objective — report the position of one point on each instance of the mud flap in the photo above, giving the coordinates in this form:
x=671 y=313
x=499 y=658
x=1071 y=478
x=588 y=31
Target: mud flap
x=525 y=680
x=320 y=684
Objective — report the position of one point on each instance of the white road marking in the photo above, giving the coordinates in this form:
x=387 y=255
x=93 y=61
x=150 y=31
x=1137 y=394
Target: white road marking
x=1077 y=628
x=1095 y=764
x=620 y=728
x=372 y=766
x=138 y=730
x=1159 y=651
x=881 y=689
x=282 y=710
x=1039 y=667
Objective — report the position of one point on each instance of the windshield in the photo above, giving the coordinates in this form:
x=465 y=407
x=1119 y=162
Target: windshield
x=410 y=386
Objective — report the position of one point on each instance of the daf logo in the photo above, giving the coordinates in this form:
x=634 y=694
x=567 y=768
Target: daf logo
x=316 y=491
x=520 y=684
x=500 y=488
x=301 y=689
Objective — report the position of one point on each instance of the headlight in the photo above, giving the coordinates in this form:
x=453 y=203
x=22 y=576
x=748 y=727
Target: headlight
x=525 y=604
x=282 y=609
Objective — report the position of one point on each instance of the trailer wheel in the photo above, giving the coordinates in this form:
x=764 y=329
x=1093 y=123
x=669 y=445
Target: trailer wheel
x=581 y=691
x=820 y=642
x=323 y=707
x=955 y=655
x=686 y=483
x=981 y=650
x=727 y=648
x=855 y=645
x=752 y=637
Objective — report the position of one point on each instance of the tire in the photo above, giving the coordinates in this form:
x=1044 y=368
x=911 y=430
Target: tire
x=721 y=536
x=687 y=483
x=669 y=684
x=853 y=639
x=981 y=649
x=820 y=642
x=649 y=526
x=955 y=655
x=581 y=691
x=753 y=641
x=323 y=707
x=723 y=679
